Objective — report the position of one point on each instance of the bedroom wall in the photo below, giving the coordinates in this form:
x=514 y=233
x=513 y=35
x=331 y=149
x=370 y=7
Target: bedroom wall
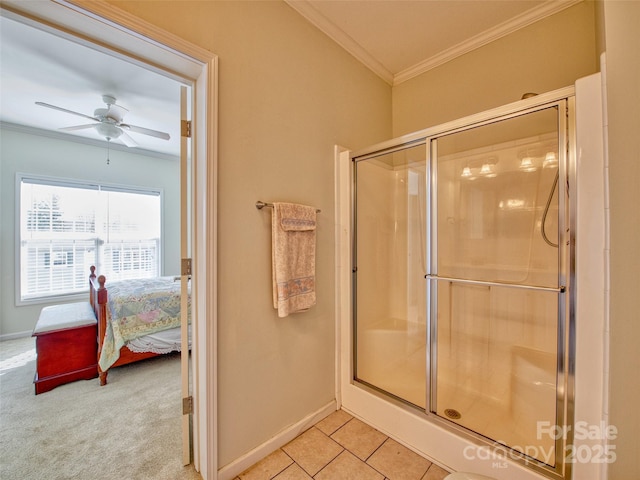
x=547 y=55
x=26 y=153
x=287 y=95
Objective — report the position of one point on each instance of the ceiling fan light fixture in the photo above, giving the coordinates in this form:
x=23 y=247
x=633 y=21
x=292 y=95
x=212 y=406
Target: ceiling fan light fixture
x=108 y=130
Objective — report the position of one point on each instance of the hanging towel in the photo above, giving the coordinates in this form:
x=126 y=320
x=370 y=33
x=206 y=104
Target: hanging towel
x=293 y=249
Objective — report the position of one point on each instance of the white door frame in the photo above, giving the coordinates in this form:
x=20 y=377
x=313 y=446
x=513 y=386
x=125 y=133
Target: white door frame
x=118 y=32
x=186 y=201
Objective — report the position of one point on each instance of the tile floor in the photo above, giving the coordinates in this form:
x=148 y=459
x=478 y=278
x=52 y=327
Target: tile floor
x=341 y=447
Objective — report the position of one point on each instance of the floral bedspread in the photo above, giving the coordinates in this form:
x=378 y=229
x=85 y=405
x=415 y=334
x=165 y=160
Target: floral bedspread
x=137 y=308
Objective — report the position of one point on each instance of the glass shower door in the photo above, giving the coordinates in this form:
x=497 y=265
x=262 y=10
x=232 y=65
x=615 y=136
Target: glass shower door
x=390 y=264
x=496 y=279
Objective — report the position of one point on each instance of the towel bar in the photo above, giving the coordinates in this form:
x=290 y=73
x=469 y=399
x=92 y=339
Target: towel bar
x=260 y=205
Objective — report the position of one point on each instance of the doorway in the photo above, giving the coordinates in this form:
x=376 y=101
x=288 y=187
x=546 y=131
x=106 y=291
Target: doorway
x=198 y=68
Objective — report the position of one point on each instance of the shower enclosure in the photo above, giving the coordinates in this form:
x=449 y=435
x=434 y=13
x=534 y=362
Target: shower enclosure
x=462 y=262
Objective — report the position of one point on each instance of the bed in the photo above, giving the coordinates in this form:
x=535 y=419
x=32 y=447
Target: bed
x=137 y=319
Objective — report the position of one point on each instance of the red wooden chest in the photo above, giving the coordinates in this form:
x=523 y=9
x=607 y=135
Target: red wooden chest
x=66 y=345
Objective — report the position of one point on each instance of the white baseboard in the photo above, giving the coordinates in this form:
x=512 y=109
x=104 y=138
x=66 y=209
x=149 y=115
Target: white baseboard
x=233 y=469
x=13 y=336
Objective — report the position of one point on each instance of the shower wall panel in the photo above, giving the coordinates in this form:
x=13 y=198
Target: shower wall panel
x=375 y=233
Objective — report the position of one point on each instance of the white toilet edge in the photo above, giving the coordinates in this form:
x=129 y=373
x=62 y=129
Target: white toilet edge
x=467 y=476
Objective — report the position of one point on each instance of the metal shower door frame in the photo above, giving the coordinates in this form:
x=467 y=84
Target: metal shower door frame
x=564 y=99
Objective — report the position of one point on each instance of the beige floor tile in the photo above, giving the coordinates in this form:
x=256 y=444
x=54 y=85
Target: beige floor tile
x=359 y=438
x=435 y=473
x=334 y=449
x=397 y=462
x=268 y=467
x=348 y=467
x=293 y=472
x=312 y=450
x=333 y=422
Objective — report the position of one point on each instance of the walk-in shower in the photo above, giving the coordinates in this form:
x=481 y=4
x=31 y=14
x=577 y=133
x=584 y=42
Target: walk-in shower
x=462 y=256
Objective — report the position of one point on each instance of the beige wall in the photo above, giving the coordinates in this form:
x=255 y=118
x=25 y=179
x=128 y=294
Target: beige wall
x=287 y=95
x=550 y=54
x=622 y=37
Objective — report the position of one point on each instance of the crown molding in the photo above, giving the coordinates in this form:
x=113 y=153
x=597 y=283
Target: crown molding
x=304 y=8
x=523 y=20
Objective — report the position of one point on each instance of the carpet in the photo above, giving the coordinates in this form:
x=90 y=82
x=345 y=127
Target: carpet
x=128 y=429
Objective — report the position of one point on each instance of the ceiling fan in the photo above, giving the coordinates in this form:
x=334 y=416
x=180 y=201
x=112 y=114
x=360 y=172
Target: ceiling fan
x=109 y=122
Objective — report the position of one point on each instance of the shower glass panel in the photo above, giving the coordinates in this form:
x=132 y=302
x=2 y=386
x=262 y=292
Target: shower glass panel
x=389 y=252
x=495 y=277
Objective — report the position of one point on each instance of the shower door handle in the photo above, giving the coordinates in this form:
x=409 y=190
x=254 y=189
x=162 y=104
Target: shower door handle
x=559 y=289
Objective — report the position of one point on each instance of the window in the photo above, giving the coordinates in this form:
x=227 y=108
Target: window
x=67 y=226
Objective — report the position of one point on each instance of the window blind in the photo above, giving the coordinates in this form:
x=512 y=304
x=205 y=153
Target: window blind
x=66 y=227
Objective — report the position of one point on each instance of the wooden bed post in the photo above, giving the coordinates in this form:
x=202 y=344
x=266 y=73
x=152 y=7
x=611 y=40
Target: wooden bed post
x=101 y=298
x=98 y=299
x=92 y=299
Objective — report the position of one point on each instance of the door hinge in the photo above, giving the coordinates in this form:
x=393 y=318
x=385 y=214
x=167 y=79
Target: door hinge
x=187 y=405
x=185 y=128
x=186 y=266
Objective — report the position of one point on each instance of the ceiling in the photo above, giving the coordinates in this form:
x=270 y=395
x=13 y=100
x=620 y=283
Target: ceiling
x=40 y=67
x=397 y=39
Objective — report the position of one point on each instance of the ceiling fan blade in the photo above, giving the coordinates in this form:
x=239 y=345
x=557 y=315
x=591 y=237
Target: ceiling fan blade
x=127 y=140
x=146 y=131
x=42 y=104
x=77 y=127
